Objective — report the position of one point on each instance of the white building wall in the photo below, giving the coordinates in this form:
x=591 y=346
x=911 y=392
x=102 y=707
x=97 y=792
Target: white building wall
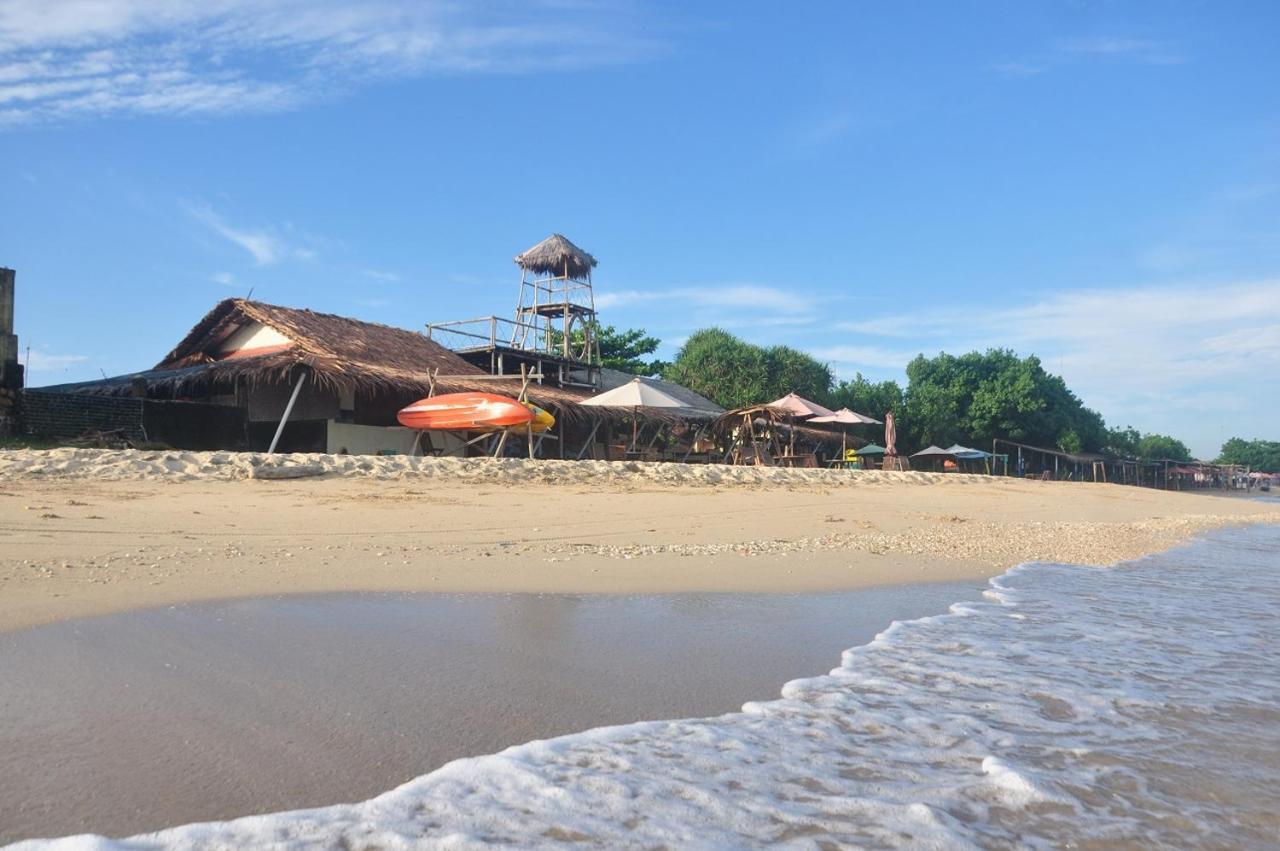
x=253 y=335
x=373 y=440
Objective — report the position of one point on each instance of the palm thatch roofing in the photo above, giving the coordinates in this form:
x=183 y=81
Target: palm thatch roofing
x=339 y=353
x=556 y=255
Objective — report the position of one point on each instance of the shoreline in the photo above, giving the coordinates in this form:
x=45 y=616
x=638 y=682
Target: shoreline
x=78 y=540
x=239 y=693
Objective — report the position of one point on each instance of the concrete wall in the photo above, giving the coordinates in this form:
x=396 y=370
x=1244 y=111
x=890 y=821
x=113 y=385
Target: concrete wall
x=374 y=440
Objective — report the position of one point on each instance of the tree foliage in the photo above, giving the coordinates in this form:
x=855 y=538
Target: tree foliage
x=624 y=350
x=734 y=373
x=1128 y=442
x=875 y=399
x=1162 y=447
x=979 y=396
x=1262 y=455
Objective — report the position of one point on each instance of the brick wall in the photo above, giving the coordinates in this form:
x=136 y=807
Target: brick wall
x=72 y=414
x=182 y=425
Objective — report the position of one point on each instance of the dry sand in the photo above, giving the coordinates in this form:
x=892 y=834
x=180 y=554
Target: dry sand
x=86 y=532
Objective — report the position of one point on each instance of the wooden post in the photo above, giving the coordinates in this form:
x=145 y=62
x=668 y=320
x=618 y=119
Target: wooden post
x=590 y=438
x=288 y=409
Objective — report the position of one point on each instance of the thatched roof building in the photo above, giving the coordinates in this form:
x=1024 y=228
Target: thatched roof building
x=557 y=256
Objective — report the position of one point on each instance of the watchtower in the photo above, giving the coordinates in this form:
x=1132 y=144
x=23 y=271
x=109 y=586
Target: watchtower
x=556 y=314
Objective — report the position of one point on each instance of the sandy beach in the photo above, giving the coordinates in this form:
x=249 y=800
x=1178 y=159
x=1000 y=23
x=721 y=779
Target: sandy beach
x=87 y=532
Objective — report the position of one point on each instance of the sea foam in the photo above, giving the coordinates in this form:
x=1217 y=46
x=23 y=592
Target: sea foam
x=1134 y=705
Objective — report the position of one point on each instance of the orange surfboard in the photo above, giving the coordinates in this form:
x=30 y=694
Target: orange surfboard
x=465 y=412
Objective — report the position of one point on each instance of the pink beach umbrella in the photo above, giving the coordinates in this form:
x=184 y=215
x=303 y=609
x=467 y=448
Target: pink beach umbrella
x=890 y=435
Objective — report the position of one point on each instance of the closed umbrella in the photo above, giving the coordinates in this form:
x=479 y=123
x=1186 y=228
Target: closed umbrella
x=890 y=436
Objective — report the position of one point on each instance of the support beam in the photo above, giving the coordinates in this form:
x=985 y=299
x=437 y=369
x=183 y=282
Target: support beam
x=288 y=409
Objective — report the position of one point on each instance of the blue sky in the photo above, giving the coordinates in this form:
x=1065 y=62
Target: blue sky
x=1094 y=182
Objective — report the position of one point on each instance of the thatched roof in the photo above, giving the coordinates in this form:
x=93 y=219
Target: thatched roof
x=554 y=256
x=338 y=352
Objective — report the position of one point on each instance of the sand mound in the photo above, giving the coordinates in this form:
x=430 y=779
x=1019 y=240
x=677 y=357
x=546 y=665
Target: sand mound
x=138 y=465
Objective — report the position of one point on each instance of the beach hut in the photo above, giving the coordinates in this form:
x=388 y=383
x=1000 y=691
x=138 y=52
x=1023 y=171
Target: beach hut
x=797 y=407
x=316 y=382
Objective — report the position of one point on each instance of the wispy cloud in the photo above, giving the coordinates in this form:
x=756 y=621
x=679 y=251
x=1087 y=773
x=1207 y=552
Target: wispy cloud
x=263 y=244
x=725 y=296
x=1139 y=50
x=381 y=276
x=225 y=278
x=1165 y=347
x=1092 y=49
x=39 y=362
x=99 y=57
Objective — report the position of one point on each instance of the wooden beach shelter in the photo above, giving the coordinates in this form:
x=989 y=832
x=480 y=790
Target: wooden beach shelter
x=635 y=394
x=798 y=408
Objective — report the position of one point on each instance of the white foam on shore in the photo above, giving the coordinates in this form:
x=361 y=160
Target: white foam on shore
x=174 y=465
x=1071 y=706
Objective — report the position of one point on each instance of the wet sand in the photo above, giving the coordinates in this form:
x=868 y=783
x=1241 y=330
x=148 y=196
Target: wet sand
x=72 y=545
x=130 y=722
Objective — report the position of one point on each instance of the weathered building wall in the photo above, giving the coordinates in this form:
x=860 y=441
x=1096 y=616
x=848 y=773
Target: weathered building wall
x=266 y=403
x=72 y=414
x=10 y=370
x=182 y=425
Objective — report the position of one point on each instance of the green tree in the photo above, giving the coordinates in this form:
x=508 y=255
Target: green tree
x=729 y=371
x=735 y=373
x=1261 y=455
x=624 y=350
x=1162 y=447
x=1123 y=442
x=793 y=371
x=979 y=396
x=873 y=399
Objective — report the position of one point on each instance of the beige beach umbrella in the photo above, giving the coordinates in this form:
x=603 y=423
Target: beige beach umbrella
x=800 y=407
x=844 y=416
x=635 y=394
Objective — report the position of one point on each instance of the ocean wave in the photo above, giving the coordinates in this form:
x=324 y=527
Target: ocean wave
x=1138 y=705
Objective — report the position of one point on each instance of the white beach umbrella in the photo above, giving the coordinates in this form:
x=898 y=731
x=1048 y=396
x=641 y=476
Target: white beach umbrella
x=844 y=416
x=635 y=394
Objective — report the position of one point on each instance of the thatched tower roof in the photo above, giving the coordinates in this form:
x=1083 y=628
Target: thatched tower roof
x=554 y=255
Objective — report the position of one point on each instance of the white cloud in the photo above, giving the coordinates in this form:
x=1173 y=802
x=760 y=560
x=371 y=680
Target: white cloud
x=264 y=244
x=860 y=357
x=1094 y=48
x=46 y=362
x=95 y=57
x=225 y=278
x=1134 y=49
x=380 y=276
x=1174 y=357
x=726 y=296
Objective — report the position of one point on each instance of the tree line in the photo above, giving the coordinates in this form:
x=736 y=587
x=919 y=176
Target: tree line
x=968 y=399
